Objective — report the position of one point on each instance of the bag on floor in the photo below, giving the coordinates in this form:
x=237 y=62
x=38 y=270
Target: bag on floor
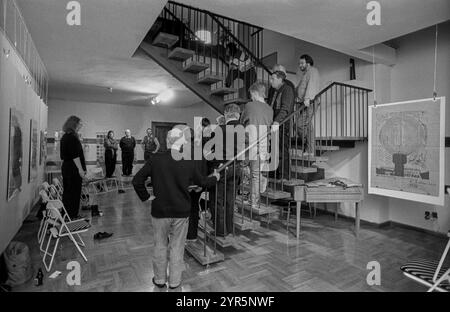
x=18 y=263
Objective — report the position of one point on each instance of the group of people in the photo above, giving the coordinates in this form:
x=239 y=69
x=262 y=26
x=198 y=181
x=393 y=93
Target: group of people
x=174 y=209
x=127 y=144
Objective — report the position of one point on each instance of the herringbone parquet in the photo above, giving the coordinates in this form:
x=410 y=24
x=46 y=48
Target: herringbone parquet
x=328 y=257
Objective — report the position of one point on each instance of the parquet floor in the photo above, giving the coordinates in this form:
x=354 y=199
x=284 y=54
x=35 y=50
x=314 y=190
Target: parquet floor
x=328 y=257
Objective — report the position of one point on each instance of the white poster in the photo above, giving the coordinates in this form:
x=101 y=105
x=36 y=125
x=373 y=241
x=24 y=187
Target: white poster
x=406 y=150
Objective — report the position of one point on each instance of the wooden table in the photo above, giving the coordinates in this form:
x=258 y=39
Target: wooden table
x=321 y=191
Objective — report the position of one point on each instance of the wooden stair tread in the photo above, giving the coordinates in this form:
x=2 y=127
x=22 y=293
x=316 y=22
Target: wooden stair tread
x=245 y=224
x=222 y=91
x=301 y=169
x=327 y=148
x=180 y=54
x=291 y=182
x=197 y=250
x=221 y=241
x=271 y=194
x=194 y=66
x=262 y=209
x=210 y=78
x=165 y=40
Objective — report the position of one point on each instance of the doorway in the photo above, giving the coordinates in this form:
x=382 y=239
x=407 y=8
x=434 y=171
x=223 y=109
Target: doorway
x=160 y=130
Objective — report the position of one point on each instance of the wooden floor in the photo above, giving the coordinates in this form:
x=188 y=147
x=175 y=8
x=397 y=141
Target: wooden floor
x=328 y=257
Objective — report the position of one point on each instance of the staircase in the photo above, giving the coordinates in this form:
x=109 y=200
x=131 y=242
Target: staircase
x=201 y=63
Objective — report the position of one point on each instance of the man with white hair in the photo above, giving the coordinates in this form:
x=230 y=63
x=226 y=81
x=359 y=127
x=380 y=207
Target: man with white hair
x=127 y=145
x=171 y=205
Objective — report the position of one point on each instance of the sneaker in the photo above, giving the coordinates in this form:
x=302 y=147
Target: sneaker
x=101 y=235
x=158 y=285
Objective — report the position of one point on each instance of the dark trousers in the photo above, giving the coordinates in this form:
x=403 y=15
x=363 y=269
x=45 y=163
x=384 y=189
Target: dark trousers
x=127 y=163
x=147 y=155
x=193 y=218
x=222 y=215
x=249 y=77
x=72 y=189
x=282 y=171
x=110 y=162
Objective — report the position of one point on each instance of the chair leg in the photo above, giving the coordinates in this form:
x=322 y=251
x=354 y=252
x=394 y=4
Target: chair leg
x=444 y=276
x=78 y=247
x=46 y=253
x=288 y=219
x=44 y=234
x=310 y=210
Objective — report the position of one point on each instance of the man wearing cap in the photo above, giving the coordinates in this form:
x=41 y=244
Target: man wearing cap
x=171 y=205
x=281 y=99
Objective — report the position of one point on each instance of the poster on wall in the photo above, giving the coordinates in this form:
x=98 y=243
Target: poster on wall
x=15 y=153
x=43 y=147
x=33 y=160
x=406 y=150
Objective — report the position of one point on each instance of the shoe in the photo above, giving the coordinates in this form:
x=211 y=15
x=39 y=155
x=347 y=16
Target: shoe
x=101 y=235
x=158 y=285
x=121 y=191
x=175 y=287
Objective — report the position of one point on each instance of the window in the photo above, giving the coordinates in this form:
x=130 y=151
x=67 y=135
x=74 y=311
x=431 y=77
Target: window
x=204 y=36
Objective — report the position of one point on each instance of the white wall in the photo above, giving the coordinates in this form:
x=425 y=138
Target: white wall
x=412 y=78
x=14 y=93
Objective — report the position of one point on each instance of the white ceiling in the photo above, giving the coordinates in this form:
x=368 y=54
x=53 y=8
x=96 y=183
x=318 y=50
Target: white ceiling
x=84 y=61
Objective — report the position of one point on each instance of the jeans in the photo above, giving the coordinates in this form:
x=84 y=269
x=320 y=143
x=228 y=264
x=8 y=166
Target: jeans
x=170 y=238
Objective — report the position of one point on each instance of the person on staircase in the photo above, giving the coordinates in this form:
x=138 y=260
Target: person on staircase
x=258 y=117
x=171 y=206
x=127 y=145
x=222 y=214
x=240 y=66
x=281 y=99
x=306 y=91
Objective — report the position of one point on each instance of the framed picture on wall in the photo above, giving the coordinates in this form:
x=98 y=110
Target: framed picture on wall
x=43 y=147
x=15 y=154
x=33 y=156
x=406 y=150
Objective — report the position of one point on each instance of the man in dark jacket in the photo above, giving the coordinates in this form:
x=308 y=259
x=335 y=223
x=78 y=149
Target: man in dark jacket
x=127 y=145
x=171 y=206
x=281 y=99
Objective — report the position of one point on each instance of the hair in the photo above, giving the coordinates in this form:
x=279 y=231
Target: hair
x=109 y=132
x=281 y=75
x=308 y=59
x=279 y=67
x=232 y=111
x=205 y=122
x=148 y=129
x=259 y=88
x=71 y=124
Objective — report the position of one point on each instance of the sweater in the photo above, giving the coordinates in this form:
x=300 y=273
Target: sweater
x=170 y=179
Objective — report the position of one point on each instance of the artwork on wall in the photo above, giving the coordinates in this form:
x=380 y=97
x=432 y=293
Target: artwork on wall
x=15 y=153
x=406 y=150
x=43 y=147
x=33 y=159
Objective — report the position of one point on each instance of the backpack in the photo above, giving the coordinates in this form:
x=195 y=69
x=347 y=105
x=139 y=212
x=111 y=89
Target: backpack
x=18 y=263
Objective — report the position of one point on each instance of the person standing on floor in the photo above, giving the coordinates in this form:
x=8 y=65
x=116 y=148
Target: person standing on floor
x=127 y=145
x=111 y=147
x=171 y=206
x=73 y=168
x=150 y=144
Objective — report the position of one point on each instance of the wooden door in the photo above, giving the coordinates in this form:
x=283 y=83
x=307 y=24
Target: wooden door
x=160 y=130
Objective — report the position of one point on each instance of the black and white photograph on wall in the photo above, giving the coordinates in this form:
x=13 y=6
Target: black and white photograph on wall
x=33 y=152
x=15 y=153
x=222 y=154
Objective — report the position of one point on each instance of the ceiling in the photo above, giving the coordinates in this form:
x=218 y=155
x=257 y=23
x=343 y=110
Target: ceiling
x=84 y=61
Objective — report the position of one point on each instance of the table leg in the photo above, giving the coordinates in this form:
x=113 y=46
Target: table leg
x=299 y=206
x=357 y=208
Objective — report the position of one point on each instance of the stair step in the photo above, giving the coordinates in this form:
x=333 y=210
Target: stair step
x=300 y=169
x=165 y=40
x=245 y=223
x=195 y=67
x=181 y=54
x=273 y=194
x=262 y=209
x=291 y=182
x=197 y=250
x=210 y=79
x=309 y=158
x=222 y=91
x=221 y=241
x=326 y=148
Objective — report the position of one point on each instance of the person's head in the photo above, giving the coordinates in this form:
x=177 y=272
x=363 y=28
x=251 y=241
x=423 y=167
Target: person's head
x=232 y=112
x=220 y=120
x=277 y=79
x=176 y=137
x=149 y=131
x=232 y=49
x=110 y=134
x=72 y=125
x=257 y=91
x=205 y=122
x=127 y=133
x=305 y=62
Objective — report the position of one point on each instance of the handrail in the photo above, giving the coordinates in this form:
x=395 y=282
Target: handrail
x=249 y=53
x=229 y=162
x=179 y=20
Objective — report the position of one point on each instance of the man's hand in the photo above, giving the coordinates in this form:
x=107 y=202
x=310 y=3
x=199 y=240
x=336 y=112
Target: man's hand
x=307 y=102
x=216 y=174
x=82 y=174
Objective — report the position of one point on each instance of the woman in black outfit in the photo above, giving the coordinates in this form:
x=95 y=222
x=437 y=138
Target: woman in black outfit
x=73 y=167
x=110 y=154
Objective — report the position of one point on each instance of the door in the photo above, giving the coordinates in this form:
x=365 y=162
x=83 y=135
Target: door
x=160 y=130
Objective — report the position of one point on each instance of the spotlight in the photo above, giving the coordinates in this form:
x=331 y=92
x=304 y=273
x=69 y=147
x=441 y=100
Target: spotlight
x=154 y=100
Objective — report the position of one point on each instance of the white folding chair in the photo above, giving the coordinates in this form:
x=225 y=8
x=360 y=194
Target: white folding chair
x=58 y=186
x=62 y=226
x=430 y=273
x=44 y=198
x=46 y=221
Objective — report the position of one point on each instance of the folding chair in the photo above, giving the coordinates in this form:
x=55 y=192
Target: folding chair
x=44 y=198
x=58 y=186
x=46 y=221
x=427 y=272
x=62 y=227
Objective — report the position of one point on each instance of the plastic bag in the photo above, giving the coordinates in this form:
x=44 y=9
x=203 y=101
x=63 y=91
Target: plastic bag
x=18 y=263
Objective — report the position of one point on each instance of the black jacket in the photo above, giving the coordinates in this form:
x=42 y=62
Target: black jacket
x=127 y=145
x=283 y=104
x=170 y=179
